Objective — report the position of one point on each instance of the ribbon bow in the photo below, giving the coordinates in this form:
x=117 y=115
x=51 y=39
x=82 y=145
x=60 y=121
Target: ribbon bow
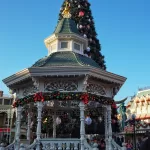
x=38 y=97
x=85 y=98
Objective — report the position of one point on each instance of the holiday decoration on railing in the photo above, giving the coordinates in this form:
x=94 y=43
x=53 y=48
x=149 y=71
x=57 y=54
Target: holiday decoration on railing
x=38 y=97
x=81 y=13
x=63 y=96
x=85 y=98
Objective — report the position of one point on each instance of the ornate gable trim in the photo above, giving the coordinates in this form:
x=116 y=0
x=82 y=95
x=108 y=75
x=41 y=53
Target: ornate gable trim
x=61 y=86
x=96 y=89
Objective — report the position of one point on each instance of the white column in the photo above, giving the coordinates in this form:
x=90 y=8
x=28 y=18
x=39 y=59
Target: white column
x=28 y=127
x=19 y=109
x=38 y=130
x=8 y=123
x=54 y=124
x=109 y=128
x=106 y=128
x=82 y=124
x=11 y=118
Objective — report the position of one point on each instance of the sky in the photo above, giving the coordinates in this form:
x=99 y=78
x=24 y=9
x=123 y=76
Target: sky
x=123 y=28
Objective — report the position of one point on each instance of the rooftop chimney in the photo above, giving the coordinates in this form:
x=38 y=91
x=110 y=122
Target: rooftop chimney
x=1 y=93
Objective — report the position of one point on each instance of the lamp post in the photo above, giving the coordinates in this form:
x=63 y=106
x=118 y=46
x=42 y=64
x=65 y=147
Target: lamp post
x=134 y=133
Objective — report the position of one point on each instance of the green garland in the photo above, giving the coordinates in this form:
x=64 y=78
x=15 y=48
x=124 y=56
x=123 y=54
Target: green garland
x=79 y=96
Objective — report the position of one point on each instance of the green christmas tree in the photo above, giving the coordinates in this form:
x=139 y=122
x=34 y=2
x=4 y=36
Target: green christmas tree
x=82 y=15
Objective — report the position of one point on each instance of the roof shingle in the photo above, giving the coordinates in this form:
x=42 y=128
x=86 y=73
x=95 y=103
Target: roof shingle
x=66 y=26
x=66 y=59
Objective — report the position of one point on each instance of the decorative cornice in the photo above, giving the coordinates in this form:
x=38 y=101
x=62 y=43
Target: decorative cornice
x=71 y=71
x=19 y=76
x=64 y=71
x=54 y=37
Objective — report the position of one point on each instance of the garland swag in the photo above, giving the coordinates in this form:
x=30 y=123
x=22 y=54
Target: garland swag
x=64 y=96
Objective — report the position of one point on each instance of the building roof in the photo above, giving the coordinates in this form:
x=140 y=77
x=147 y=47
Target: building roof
x=65 y=59
x=66 y=26
x=143 y=93
x=121 y=101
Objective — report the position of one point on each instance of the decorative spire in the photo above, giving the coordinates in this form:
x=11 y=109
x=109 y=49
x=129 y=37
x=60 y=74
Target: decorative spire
x=66 y=12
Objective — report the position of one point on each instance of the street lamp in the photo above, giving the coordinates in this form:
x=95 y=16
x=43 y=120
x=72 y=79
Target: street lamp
x=134 y=134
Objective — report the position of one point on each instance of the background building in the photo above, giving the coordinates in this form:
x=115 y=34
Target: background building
x=138 y=115
x=7 y=118
x=140 y=106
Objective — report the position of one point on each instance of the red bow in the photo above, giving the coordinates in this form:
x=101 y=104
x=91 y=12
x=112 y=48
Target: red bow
x=114 y=105
x=38 y=97
x=85 y=98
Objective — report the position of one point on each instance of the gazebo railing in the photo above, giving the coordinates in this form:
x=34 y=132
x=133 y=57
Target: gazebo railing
x=54 y=144
x=65 y=144
x=33 y=145
x=118 y=147
x=87 y=146
x=9 y=147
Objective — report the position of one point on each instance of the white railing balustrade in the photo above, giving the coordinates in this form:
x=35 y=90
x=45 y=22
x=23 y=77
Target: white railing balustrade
x=87 y=146
x=9 y=147
x=1 y=146
x=124 y=146
x=95 y=146
x=65 y=144
x=22 y=147
x=118 y=147
x=32 y=146
x=54 y=144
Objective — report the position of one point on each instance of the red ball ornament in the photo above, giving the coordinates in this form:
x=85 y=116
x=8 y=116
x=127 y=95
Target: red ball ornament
x=81 y=14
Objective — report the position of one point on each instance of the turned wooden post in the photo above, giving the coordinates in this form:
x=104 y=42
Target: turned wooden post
x=82 y=124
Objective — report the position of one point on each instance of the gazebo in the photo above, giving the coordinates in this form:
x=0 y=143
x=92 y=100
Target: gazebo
x=66 y=79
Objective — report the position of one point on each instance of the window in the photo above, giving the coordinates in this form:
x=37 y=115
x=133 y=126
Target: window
x=7 y=121
x=64 y=44
x=1 y=100
x=76 y=46
x=7 y=102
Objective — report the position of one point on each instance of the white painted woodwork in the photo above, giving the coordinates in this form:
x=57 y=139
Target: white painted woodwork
x=53 y=43
x=38 y=131
x=82 y=124
x=106 y=127
x=19 y=110
x=109 y=128
x=28 y=127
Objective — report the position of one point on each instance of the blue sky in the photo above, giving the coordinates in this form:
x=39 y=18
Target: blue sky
x=123 y=27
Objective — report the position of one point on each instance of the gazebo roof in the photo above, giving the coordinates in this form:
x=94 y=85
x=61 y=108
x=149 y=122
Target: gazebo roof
x=66 y=26
x=66 y=58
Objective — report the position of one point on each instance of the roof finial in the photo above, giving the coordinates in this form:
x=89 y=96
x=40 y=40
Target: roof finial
x=66 y=11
